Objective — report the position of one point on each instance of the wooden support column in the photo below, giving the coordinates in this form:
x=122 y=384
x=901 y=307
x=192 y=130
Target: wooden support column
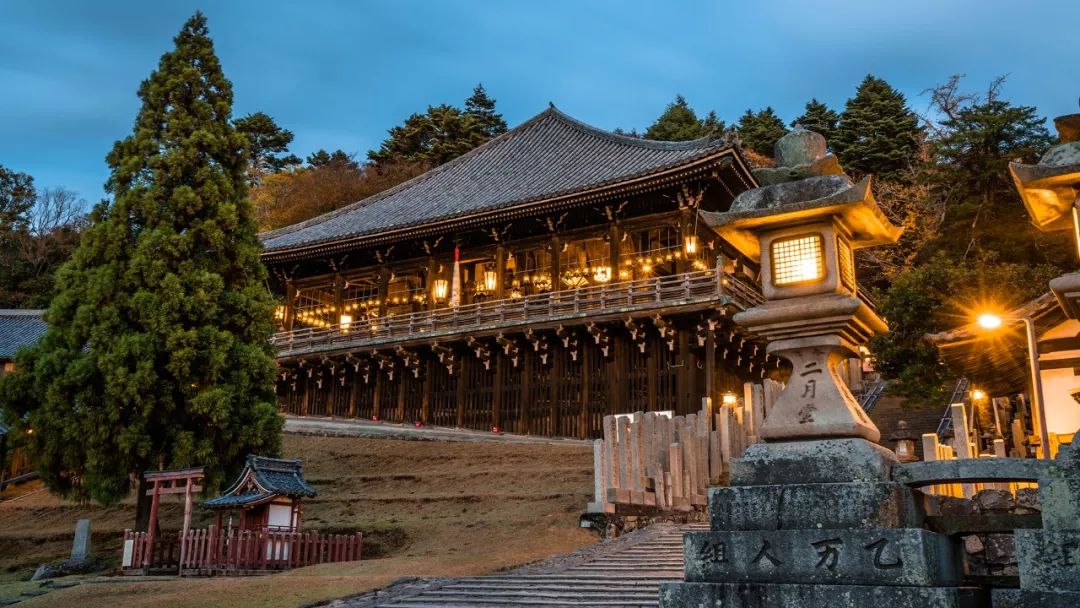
x=614 y=237
x=384 y=289
x=652 y=375
x=432 y=270
x=586 y=377
x=376 y=399
x=616 y=378
x=339 y=298
x=460 y=396
x=290 y=304
x=425 y=399
x=500 y=271
x=307 y=396
x=151 y=528
x=526 y=384
x=401 y=394
x=354 y=394
x=556 y=263
x=553 y=391
x=685 y=230
x=710 y=366
x=497 y=392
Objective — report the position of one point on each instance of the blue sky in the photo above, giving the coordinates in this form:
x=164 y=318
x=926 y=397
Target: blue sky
x=339 y=74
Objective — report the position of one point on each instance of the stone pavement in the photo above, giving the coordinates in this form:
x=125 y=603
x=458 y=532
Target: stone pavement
x=623 y=573
x=337 y=427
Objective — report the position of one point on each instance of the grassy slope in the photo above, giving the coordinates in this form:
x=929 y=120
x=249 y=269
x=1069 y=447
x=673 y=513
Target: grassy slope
x=429 y=508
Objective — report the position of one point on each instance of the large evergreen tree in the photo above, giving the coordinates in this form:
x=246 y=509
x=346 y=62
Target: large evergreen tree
x=818 y=118
x=481 y=109
x=877 y=133
x=158 y=353
x=441 y=134
x=760 y=130
x=267 y=145
x=679 y=122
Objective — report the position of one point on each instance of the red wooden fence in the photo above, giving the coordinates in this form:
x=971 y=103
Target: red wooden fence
x=210 y=551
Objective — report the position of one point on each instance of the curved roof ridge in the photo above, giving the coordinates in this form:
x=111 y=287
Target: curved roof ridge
x=640 y=142
x=423 y=177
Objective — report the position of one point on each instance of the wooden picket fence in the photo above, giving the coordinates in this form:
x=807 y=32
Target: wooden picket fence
x=657 y=460
x=964 y=445
x=208 y=551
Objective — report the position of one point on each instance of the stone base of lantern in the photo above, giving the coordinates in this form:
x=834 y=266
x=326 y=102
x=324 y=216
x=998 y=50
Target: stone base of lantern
x=818 y=523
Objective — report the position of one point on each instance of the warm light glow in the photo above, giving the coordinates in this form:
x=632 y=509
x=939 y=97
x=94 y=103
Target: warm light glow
x=690 y=244
x=978 y=394
x=989 y=321
x=602 y=274
x=799 y=259
x=491 y=280
x=442 y=288
x=345 y=322
x=729 y=399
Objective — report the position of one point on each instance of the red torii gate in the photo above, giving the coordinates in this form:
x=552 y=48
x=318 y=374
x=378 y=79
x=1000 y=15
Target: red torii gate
x=176 y=481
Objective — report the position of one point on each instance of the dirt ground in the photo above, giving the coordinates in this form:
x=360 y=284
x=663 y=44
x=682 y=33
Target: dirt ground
x=427 y=509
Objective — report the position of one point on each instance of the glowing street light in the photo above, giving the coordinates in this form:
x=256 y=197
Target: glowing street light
x=990 y=321
x=978 y=394
x=729 y=399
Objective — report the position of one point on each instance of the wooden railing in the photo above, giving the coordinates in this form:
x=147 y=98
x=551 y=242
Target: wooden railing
x=640 y=294
x=211 y=551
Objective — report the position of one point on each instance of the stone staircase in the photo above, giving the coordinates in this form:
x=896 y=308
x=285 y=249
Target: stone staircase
x=628 y=575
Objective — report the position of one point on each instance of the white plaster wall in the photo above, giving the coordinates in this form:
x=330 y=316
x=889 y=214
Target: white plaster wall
x=1062 y=411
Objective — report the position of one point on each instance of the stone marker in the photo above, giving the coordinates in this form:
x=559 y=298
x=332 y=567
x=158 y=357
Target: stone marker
x=80 y=549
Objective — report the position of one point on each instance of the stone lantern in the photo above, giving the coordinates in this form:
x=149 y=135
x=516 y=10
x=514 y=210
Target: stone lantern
x=904 y=440
x=805 y=233
x=1050 y=191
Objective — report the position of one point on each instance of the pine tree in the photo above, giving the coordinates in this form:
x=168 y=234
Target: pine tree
x=877 y=133
x=337 y=158
x=267 y=145
x=760 y=130
x=481 y=109
x=680 y=123
x=818 y=118
x=158 y=352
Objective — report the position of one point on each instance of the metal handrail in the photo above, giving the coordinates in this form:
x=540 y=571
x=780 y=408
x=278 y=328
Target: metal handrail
x=871 y=397
x=957 y=396
x=636 y=294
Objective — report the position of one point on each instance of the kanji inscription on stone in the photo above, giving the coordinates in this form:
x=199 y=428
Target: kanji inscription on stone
x=828 y=552
x=712 y=551
x=764 y=554
x=878 y=547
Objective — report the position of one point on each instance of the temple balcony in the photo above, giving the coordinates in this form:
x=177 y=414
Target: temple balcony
x=664 y=295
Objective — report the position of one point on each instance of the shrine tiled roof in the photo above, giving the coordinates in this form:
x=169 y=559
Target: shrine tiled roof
x=271 y=477
x=19 y=328
x=550 y=156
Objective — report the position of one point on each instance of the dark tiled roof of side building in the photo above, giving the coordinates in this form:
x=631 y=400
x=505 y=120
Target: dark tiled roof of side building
x=551 y=155
x=19 y=328
x=274 y=476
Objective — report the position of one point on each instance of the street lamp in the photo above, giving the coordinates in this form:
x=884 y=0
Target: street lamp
x=990 y=321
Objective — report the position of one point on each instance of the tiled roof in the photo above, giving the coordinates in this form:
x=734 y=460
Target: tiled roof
x=548 y=156
x=275 y=477
x=19 y=328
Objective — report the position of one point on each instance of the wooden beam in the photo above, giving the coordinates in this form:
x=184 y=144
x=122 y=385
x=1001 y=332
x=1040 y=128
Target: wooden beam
x=553 y=391
x=500 y=272
x=556 y=263
x=524 y=412
x=497 y=392
x=425 y=399
x=290 y=304
x=586 y=376
x=339 y=298
x=460 y=396
x=384 y=289
x=376 y=399
x=432 y=270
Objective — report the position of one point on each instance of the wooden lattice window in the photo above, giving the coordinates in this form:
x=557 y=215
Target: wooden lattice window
x=798 y=259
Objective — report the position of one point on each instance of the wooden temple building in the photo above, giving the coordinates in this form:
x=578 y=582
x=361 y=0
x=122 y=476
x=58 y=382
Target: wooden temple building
x=554 y=275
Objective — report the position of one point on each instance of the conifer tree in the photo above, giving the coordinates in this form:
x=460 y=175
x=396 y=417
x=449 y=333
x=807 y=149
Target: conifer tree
x=157 y=353
x=679 y=122
x=267 y=145
x=877 y=133
x=760 y=130
x=818 y=118
x=481 y=109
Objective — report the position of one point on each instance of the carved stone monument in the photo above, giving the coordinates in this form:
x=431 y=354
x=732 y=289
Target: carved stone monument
x=812 y=517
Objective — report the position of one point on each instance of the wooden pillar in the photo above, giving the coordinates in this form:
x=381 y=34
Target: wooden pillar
x=354 y=393
x=614 y=237
x=151 y=528
x=685 y=230
x=556 y=263
x=339 y=298
x=616 y=380
x=384 y=289
x=306 y=396
x=553 y=390
x=290 y=304
x=460 y=396
x=376 y=399
x=401 y=393
x=186 y=527
x=526 y=385
x=425 y=399
x=586 y=377
x=687 y=377
x=652 y=374
x=500 y=272
x=710 y=365
x=432 y=271
x=497 y=392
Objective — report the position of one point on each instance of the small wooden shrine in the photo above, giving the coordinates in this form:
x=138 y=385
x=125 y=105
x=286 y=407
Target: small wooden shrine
x=268 y=494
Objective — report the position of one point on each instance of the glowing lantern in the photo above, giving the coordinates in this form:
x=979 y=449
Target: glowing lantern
x=602 y=274
x=345 y=322
x=729 y=399
x=491 y=280
x=690 y=244
x=442 y=289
